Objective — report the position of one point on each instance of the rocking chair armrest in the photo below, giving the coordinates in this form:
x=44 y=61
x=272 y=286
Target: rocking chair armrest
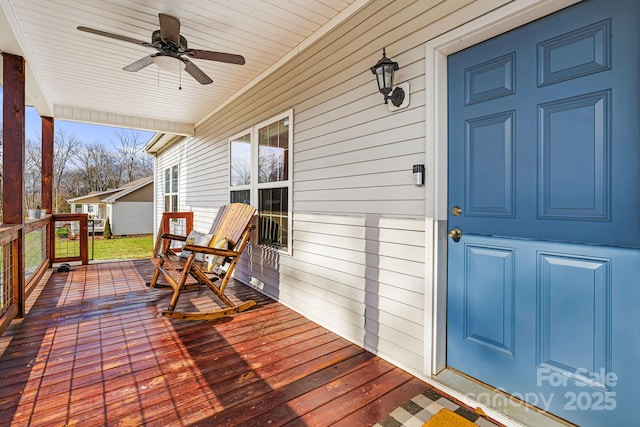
x=211 y=251
x=170 y=236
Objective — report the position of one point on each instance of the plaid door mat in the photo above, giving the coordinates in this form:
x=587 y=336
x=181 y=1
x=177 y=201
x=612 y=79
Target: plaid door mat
x=416 y=411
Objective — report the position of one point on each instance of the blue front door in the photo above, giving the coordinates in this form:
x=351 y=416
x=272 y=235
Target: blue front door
x=544 y=192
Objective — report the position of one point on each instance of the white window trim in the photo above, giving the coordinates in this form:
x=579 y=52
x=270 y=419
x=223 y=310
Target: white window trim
x=164 y=186
x=245 y=186
x=254 y=186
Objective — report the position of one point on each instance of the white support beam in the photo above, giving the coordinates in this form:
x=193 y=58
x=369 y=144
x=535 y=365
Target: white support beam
x=121 y=120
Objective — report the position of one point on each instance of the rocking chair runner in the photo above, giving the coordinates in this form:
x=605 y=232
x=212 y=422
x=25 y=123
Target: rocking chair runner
x=232 y=223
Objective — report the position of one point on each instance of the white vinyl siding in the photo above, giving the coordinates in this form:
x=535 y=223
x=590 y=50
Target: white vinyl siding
x=132 y=218
x=359 y=242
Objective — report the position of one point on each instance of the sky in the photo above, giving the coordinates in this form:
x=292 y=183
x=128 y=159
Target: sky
x=86 y=133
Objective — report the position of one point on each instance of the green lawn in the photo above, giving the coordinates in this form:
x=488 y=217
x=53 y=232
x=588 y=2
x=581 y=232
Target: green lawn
x=122 y=247
x=102 y=249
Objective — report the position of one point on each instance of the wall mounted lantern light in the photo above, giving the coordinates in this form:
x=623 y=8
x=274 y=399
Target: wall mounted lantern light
x=384 y=71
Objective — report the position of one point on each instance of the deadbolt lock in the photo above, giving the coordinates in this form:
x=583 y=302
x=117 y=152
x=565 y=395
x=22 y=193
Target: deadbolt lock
x=456 y=211
x=455 y=234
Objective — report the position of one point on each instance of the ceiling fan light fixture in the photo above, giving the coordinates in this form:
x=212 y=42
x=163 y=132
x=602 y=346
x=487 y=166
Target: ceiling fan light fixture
x=168 y=63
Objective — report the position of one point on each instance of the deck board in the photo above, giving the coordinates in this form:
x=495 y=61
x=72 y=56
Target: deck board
x=93 y=350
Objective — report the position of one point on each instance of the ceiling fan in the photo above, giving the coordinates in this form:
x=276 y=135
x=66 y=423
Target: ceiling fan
x=170 y=44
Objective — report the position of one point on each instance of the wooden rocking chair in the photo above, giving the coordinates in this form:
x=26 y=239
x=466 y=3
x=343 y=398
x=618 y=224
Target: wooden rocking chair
x=233 y=225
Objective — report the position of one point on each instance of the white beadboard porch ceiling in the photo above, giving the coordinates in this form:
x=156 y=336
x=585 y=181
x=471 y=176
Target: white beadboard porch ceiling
x=73 y=75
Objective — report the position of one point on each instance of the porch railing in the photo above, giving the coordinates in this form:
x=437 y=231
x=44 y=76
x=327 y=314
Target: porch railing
x=37 y=254
x=10 y=276
x=70 y=238
x=52 y=239
x=20 y=275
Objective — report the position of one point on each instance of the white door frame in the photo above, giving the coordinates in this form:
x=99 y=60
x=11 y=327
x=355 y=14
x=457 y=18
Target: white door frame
x=501 y=20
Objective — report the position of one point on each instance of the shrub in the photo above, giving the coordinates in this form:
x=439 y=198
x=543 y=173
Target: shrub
x=107 y=229
x=62 y=232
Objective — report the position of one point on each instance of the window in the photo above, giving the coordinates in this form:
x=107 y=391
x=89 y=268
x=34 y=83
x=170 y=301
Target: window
x=171 y=189
x=260 y=162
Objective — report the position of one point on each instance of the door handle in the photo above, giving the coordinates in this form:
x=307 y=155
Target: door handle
x=455 y=234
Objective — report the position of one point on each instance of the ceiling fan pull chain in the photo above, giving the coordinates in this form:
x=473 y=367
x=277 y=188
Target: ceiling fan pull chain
x=180 y=74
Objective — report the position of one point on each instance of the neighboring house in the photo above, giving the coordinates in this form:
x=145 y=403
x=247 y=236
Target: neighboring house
x=530 y=135
x=129 y=208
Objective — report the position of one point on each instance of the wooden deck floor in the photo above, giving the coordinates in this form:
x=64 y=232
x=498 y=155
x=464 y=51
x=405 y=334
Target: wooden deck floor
x=94 y=351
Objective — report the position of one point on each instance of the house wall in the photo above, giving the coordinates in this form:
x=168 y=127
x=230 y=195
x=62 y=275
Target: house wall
x=361 y=230
x=144 y=194
x=131 y=218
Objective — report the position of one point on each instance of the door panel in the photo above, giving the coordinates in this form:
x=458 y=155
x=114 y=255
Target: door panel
x=544 y=162
x=565 y=282
x=490 y=178
x=579 y=192
x=493 y=328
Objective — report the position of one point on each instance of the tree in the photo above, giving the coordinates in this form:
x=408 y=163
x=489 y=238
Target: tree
x=107 y=229
x=32 y=173
x=99 y=167
x=64 y=148
x=134 y=163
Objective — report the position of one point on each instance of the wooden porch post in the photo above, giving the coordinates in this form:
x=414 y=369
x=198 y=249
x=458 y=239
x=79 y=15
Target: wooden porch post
x=47 y=164
x=13 y=159
x=47 y=176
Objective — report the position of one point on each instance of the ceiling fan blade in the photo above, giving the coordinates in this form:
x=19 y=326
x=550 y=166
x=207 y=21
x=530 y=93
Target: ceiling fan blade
x=169 y=28
x=139 y=64
x=196 y=72
x=113 y=36
x=216 y=56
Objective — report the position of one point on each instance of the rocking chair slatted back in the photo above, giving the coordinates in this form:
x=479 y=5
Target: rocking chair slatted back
x=231 y=221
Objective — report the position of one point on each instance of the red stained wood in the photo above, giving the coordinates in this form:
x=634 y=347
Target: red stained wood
x=13 y=121
x=47 y=164
x=93 y=350
x=379 y=408
x=83 y=235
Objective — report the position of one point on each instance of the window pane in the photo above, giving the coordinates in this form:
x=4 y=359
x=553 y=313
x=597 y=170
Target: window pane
x=240 y=160
x=273 y=217
x=174 y=203
x=167 y=203
x=242 y=196
x=174 y=179
x=273 y=152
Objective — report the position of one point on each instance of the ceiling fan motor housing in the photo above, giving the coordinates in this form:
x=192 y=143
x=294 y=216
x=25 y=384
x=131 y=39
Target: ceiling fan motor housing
x=156 y=40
